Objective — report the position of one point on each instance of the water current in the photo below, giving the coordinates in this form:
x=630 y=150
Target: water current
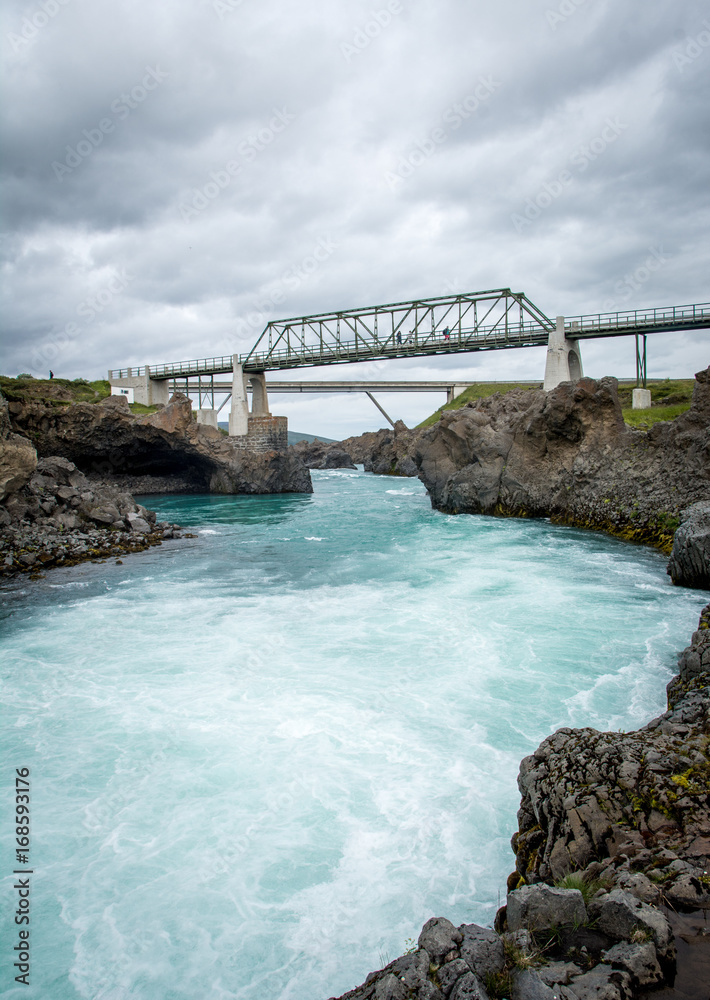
x=261 y=758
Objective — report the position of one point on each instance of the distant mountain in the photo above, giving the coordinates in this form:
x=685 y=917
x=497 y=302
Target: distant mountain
x=293 y=436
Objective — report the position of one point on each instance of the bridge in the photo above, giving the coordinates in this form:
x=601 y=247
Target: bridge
x=496 y=319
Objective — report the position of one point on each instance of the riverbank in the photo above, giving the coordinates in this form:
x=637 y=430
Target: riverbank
x=614 y=832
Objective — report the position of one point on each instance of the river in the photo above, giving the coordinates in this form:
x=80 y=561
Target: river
x=261 y=758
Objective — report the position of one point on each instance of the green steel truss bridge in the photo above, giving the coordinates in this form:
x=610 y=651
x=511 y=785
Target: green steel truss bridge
x=497 y=319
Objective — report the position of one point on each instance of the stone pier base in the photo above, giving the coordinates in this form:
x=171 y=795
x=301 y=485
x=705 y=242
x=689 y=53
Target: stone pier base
x=265 y=433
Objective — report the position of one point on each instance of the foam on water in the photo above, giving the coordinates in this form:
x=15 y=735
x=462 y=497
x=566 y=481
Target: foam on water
x=263 y=757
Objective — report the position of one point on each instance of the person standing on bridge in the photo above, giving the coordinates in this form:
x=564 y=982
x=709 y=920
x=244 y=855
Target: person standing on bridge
x=399 y=337
x=447 y=335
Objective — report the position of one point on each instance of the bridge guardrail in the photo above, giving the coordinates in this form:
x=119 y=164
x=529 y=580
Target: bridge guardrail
x=362 y=348
x=638 y=318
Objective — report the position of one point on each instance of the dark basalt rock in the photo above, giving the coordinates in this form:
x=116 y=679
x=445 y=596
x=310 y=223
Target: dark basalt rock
x=322 y=455
x=630 y=812
x=108 y=441
x=18 y=458
x=567 y=455
x=689 y=564
x=60 y=518
x=387 y=452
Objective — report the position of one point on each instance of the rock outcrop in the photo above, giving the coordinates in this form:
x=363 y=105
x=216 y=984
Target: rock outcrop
x=386 y=452
x=323 y=455
x=18 y=458
x=621 y=822
x=567 y=455
x=60 y=518
x=105 y=439
x=689 y=564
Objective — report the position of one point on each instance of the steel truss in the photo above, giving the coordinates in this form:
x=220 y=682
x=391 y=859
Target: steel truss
x=447 y=324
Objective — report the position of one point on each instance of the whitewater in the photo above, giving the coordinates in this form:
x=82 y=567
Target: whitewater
x=261 y=758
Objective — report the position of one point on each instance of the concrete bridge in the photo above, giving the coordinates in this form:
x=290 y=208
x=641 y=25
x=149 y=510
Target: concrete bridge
x=497 y=319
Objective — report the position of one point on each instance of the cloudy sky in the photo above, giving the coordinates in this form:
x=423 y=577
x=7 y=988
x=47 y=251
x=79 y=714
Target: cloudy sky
x=169 y=168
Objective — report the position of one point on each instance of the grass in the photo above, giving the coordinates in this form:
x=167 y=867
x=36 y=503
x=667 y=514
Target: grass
x=669 y=398
x=643 y=419
x=139 y=409
x=481 y=390
x=587 y=886
x=56 y=390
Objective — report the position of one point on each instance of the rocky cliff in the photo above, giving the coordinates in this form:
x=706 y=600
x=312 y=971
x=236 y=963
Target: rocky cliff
x=159 y=451
x=59 y=518
x=18 y=458
x=613 y=839
x=567 y=455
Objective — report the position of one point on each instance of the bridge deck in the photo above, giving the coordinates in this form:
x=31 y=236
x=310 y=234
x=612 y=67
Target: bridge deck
x=493 y=320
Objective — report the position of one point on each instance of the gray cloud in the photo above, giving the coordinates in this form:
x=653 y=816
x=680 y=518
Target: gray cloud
x=208 y=147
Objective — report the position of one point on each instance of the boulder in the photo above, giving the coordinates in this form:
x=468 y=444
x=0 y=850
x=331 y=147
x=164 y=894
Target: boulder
x=482 y=949
x=689 y=564
x=639 y=960
x=529 y=985
x=621 y=915
x=600 y=983
x=439 y=938
x=107 y=441
x=543 y=907
x=567 y=454
x=18 y=458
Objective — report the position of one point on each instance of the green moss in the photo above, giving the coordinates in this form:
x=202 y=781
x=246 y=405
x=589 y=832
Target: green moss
x=643 y=419
x=481 y=390
x=57 y=390
x=140 y=409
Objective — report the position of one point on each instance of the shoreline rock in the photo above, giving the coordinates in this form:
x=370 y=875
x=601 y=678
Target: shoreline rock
x=60 y=518
x=107 y=440
x=622 y=822
x=567 y=455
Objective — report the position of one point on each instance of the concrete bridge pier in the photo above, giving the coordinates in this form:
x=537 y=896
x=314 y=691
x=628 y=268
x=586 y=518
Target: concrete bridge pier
x=259 y=398
x=144 y=389
x=239 y=413
x=207 y=417
x=564 y=360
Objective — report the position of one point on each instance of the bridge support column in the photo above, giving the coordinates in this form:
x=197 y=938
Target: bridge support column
x=564 y=360
x=146 y=390
x=455 y=390
x=239 y=413
x=208 y=417
x=259 y=399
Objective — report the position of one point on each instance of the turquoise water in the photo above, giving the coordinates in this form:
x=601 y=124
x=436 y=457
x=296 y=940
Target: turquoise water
x=263 y=757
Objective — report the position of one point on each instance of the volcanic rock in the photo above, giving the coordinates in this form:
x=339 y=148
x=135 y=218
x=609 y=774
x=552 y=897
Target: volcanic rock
x=106 y=440
x=18 y=458
x=567 y=455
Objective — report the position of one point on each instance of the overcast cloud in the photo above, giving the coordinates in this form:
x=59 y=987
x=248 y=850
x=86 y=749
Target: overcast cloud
x=169 y=166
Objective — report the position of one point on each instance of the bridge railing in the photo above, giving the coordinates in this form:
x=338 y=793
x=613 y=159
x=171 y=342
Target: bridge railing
x=300 y=353
x=202 y=366
x=697 y=313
